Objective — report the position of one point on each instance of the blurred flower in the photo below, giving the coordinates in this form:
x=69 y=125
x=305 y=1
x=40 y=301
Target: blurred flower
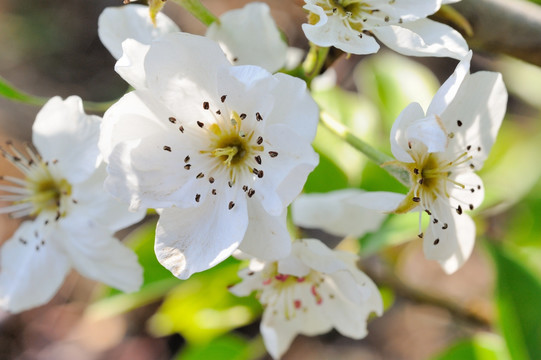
x=75 y=219
x=347 y=212
x=441 y=149
x=351 y=25
x=309 y=292
x=248 y=36
x=119 y=23
x=222 y=149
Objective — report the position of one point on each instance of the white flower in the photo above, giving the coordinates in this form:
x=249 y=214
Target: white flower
x=75 y=219
x=347 y=212
x=119 y=23
x=248 y=36
x=311 y=291
x=351 y=24
x=441 y=149
x=223 y=149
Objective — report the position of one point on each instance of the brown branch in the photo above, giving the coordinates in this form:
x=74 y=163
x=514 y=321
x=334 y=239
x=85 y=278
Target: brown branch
x=511 y=27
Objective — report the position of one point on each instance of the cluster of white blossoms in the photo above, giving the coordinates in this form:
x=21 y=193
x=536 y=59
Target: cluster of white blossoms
x=218 y=141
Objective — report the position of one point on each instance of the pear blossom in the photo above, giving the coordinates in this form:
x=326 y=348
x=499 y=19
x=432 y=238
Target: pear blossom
x=310 y=292
x=441 y=149
x=332 y=212
x=118 y=23
x=351 y=26
x=248 y=36
x=222 y=150
x=74 y=219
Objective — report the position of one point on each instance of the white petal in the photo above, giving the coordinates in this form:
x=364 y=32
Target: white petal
x=31 y=272
x=348 y=212
x=249 y=36
x=277 y=337
x=285 y=174
x=480 y=106
x=96 y=207
x=331 y=31
x=96 y=254
x=184 y=65
x=453 y=246
x=296 y=107
x=266 y=237
x=407 y=10
x=449 y=89
x=62 y=131
x=469 y=197
x=349 y=317
x=430 y=132
x=130 y=66
x=117 y=24
x=423 y=37
x=399 y=138
x=134 y=132
x=318 y=256
x=196 y=239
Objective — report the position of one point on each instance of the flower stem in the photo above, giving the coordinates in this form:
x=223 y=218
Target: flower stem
x=197 y=9
x=314 y=62
x=371 y=153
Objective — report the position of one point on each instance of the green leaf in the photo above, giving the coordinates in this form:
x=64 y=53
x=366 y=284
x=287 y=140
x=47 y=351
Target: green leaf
x=202 y=308
x=10 y=92
x=518 y=299
x=326 y=177
x=395 y=230
x=481 y=347
x=392 y=82
x=227 y=347
x=359 y=116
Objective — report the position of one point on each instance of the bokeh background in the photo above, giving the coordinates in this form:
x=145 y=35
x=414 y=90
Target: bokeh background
x=490 y=309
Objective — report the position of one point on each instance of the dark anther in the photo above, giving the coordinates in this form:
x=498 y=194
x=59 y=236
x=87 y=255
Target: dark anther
x=172 y=120
x=211 y=180
x=416 y=199
x=273 y=154
x=436 y=242
x=258 y=159
x=181 y=128
x=200 y=124
x=416 y=171
x=251 y=192
x=459 y=210
x=167 y=148
x=258 y=116
x=445 y=226
x=200 y=175
x=231 y=204
x=197 y=197
x=259 y=140
x=222 y=99
x=187 y=166
x=242 y=116
x=459 y=123
x=206 y=105
x=186 y=159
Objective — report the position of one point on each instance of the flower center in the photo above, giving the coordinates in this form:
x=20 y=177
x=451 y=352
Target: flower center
x=233 y=147
x=355 y=14
x=40 y=190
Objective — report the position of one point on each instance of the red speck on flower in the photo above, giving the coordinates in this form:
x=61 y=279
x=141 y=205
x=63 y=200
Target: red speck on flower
x=281 y=277
x=297 y=304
